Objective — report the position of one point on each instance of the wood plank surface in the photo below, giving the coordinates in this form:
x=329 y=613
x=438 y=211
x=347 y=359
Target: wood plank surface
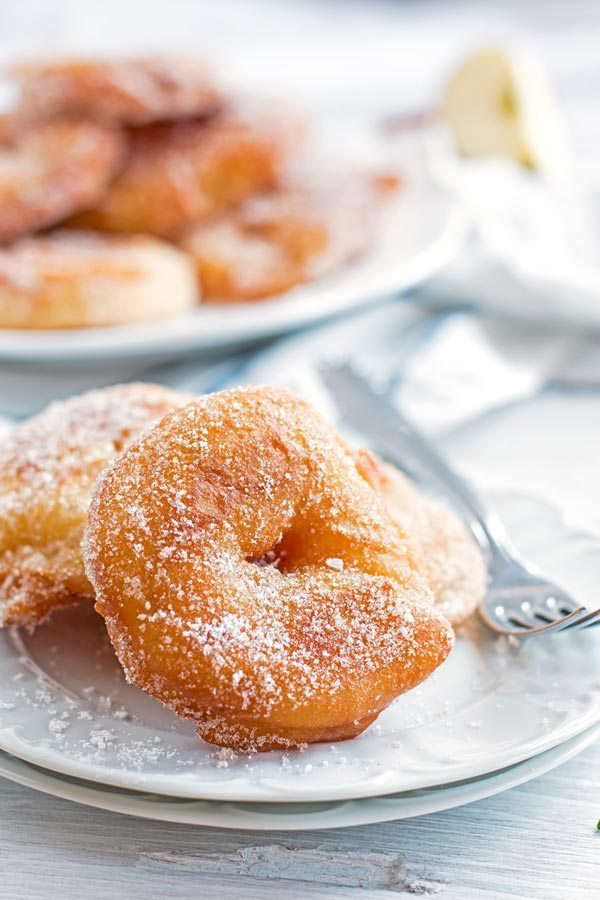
x=538 y=841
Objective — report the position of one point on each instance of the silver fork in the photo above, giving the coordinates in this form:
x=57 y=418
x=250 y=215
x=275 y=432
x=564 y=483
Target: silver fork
x=520 y=601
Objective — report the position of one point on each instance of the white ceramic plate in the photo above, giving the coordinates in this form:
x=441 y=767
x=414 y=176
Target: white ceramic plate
x=292 y=816
x=423 y=232
x=64 y=704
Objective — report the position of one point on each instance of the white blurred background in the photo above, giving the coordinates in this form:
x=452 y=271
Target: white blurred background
x=354 y=59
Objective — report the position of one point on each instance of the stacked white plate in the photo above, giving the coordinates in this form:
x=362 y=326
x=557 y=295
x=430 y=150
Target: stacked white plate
x=422 y=231
x=494 y=715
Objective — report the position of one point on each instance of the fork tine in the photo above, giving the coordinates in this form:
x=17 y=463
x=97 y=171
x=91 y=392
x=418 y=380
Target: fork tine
x=592 y=618
x=529 y=629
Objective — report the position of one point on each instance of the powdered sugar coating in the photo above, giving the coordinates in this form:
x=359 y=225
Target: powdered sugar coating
x=48 y=467
x=452 y=562
x=209 y=544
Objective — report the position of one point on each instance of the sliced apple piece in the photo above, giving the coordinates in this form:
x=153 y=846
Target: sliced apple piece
x=499 y=103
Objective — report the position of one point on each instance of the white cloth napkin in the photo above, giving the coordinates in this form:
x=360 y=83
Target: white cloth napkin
x=444 y=369
x=535 y=246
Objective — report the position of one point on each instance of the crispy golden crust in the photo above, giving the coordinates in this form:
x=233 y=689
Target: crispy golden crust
x=71 y=279
x=133 y=91
x=452 y=562
x=48 y=467
x=51 y=170
x=251 y=578
x=282 y=238
x=186 y=172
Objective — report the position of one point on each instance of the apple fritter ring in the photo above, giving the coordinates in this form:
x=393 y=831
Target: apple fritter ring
x=134 y=91
x=251 y=579
x=279 y=239
x=452 y=562
x=50 y=170
x=187 y=171
x=75 y=279
x=48 y=467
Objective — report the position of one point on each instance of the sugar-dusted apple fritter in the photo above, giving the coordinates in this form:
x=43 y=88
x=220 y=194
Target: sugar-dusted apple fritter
x=50 y=170
x=251 y=578
x=75 y=279
x=48 y=468
x=187 y=171
x=134 y=91
x=282 y=238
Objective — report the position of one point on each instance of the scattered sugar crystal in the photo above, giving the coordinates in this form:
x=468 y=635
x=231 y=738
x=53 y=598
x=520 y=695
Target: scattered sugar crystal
x=57 y=726
x=334 y=563
x=101 y=738
x=226 y=753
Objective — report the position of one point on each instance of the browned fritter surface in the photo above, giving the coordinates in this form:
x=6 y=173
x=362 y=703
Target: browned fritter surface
x=309 y=647
x=133 y=91
x=50 y=170
x=185 y=172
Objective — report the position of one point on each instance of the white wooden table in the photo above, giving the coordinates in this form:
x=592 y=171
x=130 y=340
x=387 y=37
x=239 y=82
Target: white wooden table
x=535 y=841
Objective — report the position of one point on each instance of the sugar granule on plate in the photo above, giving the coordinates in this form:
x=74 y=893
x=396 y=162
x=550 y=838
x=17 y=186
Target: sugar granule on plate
x=57 y=726
x=101 y=738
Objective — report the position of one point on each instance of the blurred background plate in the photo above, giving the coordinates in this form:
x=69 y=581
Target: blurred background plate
x=423 y=233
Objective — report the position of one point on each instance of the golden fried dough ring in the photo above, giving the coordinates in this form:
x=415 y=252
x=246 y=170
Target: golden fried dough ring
x=251 y=579
x=71 y=279
x=50 y=170
x=135 y=91
x=48 y=467
x=236 y=266
x=184 y=172
x=453 y=564
x=282 y=238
